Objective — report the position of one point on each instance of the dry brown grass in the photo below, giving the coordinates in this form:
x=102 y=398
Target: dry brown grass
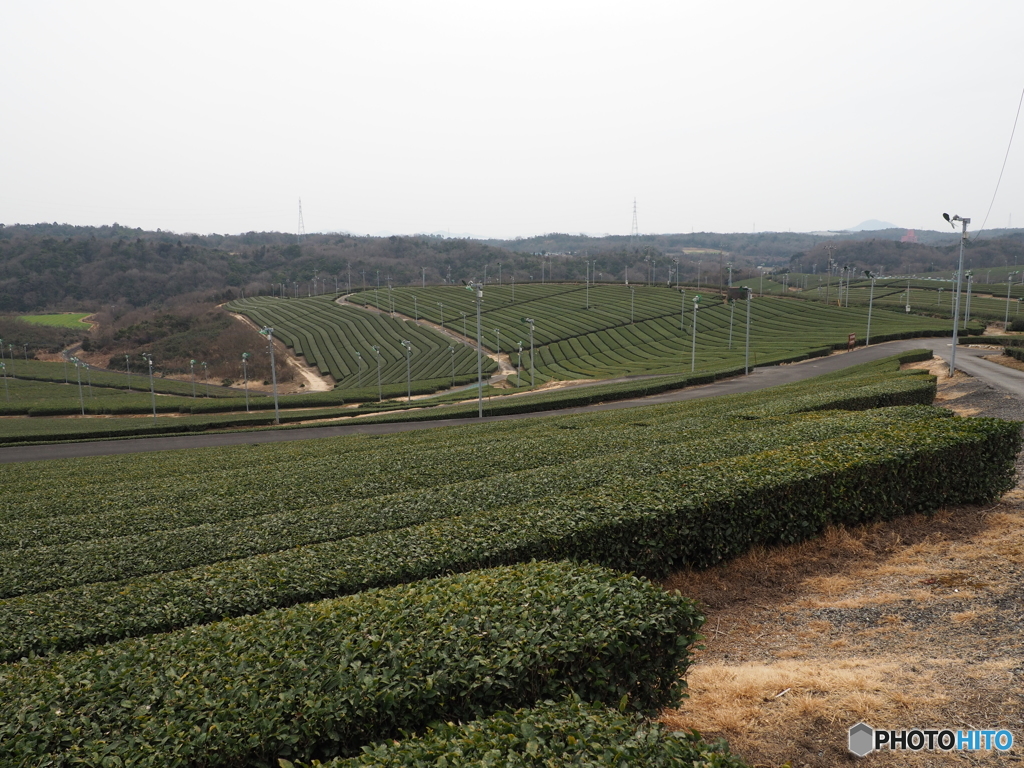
x=915 y=622
x=1006 y=360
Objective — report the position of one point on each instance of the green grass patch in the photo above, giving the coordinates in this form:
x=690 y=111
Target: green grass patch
x=62 y=320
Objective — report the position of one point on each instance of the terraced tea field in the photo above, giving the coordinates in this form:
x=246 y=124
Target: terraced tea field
x=303 y=600
x=137 y=381
x=571 y=342
x=45 y=398
x=339 y=341
x=927 y=297
x=218 y=607
x=644 y=330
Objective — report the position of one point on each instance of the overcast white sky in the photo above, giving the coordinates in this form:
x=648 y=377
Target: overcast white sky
x=509 y=119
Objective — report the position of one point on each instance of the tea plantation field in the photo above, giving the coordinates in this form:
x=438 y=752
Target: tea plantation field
x=928 y=297
x=301 y=601
x=339 y=341
x=113 y=382
x=571 y=342
x=604 y=331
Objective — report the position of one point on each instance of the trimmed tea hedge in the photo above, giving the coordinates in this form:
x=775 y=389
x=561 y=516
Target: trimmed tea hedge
x=82 y=559
x=124 y=495
x=867 y=392
x=696 y=516
x=55 y=430
x=334 y=397
x=923 y=391
x=564 y=733
x=323 y=679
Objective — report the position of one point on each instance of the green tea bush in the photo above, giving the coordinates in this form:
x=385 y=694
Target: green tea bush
x=544 y=401
x=564 y=733
x=881 y=391
x=696 y=516
x=77 y=557
x=323 y=679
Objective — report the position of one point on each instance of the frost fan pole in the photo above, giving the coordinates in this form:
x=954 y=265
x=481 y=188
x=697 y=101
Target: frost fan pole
x=959 y=276
x=269 y=333
x=479 y=289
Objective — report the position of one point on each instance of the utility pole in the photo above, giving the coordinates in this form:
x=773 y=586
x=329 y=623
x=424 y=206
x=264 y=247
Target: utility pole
x=478 y=288
x=408 y=370
x=871 y=301
x=152 y=391
x=746 y=358
x=269 y=333
x=1009 y=284
x=380 y=392
x=830 y=249
x=959 y=275
x=693 y=347
x=732 y=311
x=529 y=321
x=245 y=375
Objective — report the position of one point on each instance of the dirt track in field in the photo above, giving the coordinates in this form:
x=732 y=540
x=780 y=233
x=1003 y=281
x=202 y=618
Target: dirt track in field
x=914 y=623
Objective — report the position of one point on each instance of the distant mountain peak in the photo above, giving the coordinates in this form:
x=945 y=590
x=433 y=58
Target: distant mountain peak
x=871 y=225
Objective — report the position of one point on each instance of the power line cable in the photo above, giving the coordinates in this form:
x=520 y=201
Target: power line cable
x=1005 y=157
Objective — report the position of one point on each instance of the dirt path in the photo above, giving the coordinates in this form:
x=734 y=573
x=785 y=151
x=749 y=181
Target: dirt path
x=913 y=623
x=311 y=377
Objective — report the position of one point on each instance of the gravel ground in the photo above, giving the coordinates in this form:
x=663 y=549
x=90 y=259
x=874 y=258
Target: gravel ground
x=973 y=397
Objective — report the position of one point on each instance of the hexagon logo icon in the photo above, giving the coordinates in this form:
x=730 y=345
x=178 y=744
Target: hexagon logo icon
x=862 y=739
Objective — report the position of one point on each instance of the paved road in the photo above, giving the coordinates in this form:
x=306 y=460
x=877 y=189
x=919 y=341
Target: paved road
x=968 y=360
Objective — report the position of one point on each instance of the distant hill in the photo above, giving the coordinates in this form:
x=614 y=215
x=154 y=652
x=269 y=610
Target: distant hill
x=871 y=225
x=54 y=267
x=64 y=267
x=892 y=257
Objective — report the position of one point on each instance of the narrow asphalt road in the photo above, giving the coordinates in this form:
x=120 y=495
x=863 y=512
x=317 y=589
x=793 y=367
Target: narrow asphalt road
x=968 y=360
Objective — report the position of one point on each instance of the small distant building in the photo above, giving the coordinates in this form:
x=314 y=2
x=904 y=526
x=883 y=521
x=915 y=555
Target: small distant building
x=910 y=237
x=735 y=294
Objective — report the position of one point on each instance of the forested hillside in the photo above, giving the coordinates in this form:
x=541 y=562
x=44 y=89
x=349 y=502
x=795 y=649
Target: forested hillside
x=898 y=258
x=61 y=267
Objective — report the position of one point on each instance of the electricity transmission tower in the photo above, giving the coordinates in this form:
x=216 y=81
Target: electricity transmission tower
x=302 y=226
x=634 y=232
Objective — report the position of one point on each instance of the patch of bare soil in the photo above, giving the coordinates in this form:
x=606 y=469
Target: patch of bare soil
x=917 y=622
x=1009 y=362
x=49 y=357
x=307 y=378
x=996 y=329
